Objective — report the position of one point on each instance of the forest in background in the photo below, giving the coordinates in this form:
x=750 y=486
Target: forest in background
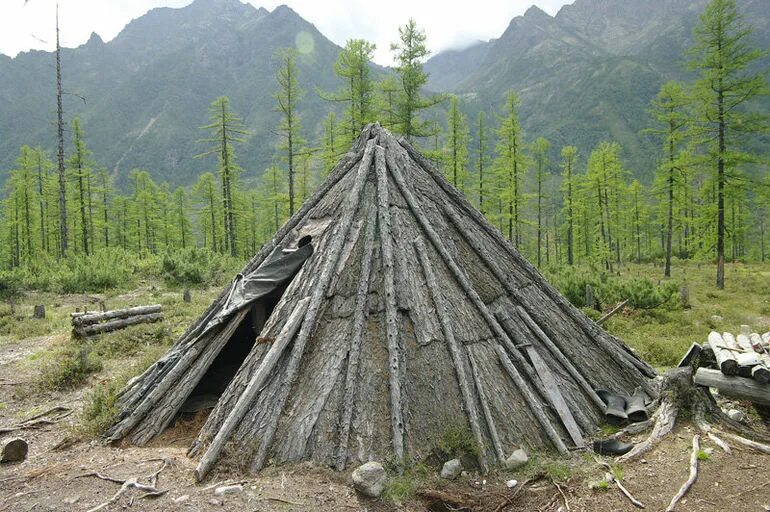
x=69 y=228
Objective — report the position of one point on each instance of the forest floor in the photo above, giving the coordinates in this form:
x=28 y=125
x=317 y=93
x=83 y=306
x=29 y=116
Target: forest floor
x=62 y=454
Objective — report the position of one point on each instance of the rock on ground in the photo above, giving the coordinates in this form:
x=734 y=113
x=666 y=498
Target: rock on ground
x=14 y=450
x=451 y=469
x=517 y=459
x=369 y=479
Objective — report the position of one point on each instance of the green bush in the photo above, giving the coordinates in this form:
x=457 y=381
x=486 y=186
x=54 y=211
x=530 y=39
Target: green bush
x=100 y=410
x=196 y=267
x=609 y=289
x=67 y=367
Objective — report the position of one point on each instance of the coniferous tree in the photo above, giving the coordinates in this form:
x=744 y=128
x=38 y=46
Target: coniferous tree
x=510 y=166
x=481 y=157
x=287 y=97
x=569 y=159
x=226 y=129
x=353 y=66
x=456 y=149
x=669 y=110
x=81 y=169
x=723 y=58
x=540 y=150
x=409 y=102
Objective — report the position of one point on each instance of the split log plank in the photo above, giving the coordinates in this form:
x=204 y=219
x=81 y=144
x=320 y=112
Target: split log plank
x=549 y=382
x=559 y=355
x=90 y=318
x=735 y=387
x=257 y=380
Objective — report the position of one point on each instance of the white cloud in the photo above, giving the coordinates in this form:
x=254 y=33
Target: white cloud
x=448 y=24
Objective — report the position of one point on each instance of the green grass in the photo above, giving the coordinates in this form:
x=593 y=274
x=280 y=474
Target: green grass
x=662 y=335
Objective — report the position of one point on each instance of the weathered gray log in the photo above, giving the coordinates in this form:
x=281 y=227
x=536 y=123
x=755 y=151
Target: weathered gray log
x=724 y=356
x=549 y=382
x=484 y=398
x=338 y=237
x=758 y=372
x=161 y=387
x=761 y=372
x=615 y=348
x=734 y=387
x=257 y=380
x=693 y=352
x=442 y=311
x=39 y=311
x=117 y=324
x=91 y=318
x=621 y=357
x=391 y=313
x=356 y=340
x=468 y=288
x=612 y=312
x=534 y=405
x=559 y=355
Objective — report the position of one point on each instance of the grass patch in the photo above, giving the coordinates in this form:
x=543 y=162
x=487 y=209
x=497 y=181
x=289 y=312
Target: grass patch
x=67 y=366
x=402 y=486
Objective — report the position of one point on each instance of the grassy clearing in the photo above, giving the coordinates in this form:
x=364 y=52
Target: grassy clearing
x=662 y=335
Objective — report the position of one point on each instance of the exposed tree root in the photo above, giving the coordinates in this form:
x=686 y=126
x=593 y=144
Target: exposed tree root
x=693 y=474
x=507 y=501
x=445 y=500
x=150 y=490
x=613 y=479
x=678 y=393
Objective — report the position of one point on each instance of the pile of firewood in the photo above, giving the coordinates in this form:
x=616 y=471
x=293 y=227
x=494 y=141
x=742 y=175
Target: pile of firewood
x=738 y=366
x=91 y=323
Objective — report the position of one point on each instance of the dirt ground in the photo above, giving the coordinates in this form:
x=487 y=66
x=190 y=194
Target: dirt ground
x=58 y=479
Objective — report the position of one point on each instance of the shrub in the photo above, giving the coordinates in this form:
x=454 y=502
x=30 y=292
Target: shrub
x=100 y=410
x=67 y=367
x=196 y=267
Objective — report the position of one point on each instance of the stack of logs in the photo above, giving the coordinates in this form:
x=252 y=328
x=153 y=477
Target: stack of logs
x=97 y=322
x=738 y=366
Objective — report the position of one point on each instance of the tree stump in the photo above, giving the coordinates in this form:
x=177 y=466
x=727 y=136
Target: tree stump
x=39 y=311
x=186 y=296
x=590 y=300
x=684 y=297
x=14 y=450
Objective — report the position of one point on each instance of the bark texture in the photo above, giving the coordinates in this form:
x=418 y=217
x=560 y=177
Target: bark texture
x=420 y=318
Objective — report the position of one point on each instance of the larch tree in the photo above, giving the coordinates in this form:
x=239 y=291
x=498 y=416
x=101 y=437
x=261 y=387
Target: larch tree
x=456 y=147
x=287 y=97
x=226 y=129
x=63 y=235
x=353 y=67
x=727 y=80
x=81 y=169
x=569 y=160
x=482 y=157
x=510 y=166
x=409 y=101
x=539 y=151
x=206 y=195
x=669 y=109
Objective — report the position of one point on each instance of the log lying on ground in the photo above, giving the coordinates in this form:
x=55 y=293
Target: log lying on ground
x=725 y=357
x=734 y=387
x=114 y=325
x=92 y=318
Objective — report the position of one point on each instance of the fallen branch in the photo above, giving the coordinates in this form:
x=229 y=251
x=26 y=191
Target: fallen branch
x=748 y=442
x=445 y=499
x=150 y=491
x=693 y=474
x=563 y=496
x=612 y=312
x=518 y=490
x=616 y=481
x=39 y=420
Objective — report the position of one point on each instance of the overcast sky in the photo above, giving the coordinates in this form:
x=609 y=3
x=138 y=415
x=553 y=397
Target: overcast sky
x=448 y=23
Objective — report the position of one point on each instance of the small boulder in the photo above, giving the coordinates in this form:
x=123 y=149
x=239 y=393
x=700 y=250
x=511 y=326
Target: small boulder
x=517 y=459
x=228 y=489
x=511 y=483
x=369 y=479
x=737 y=415
x=452 y=469
x=14 y=450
